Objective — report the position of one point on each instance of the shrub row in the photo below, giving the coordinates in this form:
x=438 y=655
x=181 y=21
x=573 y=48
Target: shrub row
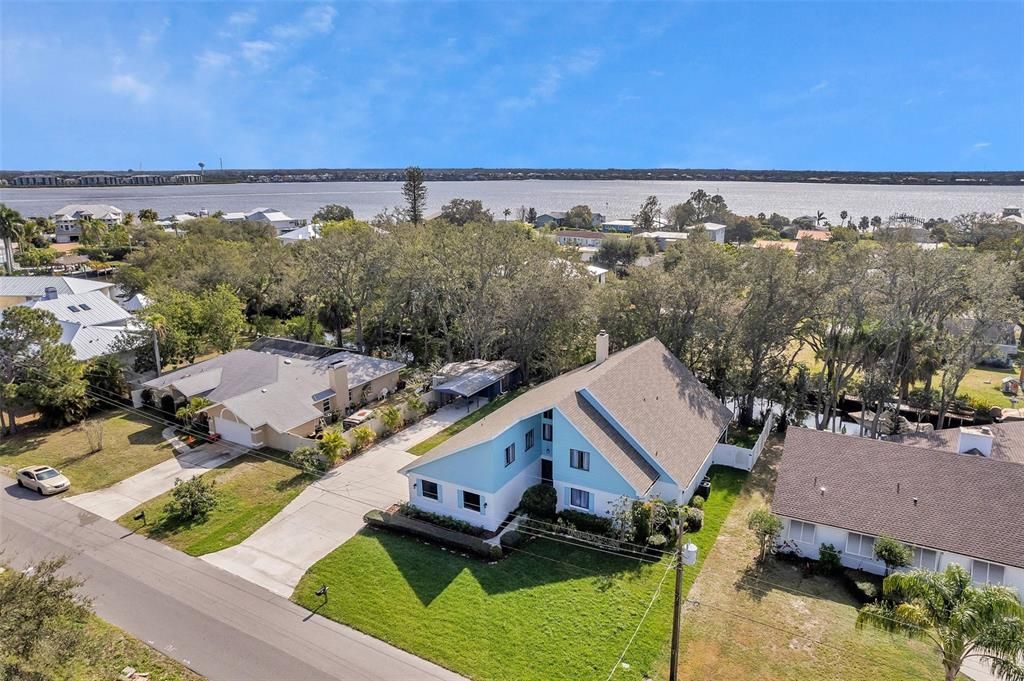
x=445 y=521
x=420 y=528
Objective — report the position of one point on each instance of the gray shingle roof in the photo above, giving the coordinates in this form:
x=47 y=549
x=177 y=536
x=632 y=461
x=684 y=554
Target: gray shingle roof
x=1007 y=440
x=649 y=392
x=261 y=387
x=965 y=504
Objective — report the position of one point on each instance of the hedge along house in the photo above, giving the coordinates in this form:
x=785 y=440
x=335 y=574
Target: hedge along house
x=634 y=424
x=278 y=395
x=961 y=506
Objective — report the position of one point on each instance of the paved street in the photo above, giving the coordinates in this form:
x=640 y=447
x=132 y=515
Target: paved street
x=224 y=627
x=330 y=512
x=114 y=501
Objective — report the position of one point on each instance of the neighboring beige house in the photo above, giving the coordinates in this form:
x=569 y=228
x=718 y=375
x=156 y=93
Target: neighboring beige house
x=268 y=216
x=580 y=237
x=18 y=290
x=68 y=220
x=278 y=390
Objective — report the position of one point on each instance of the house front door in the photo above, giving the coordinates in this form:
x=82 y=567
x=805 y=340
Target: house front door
x=545 y=471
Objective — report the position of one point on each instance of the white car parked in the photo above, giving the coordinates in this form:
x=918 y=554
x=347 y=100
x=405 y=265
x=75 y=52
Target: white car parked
x=43 y=479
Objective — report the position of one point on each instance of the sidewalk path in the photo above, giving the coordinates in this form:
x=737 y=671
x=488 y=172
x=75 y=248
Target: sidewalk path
x=114 y=501
x=329 y=512
x=223 y=627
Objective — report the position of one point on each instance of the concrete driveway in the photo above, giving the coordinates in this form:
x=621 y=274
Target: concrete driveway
x=114 y=501
x=329 y=512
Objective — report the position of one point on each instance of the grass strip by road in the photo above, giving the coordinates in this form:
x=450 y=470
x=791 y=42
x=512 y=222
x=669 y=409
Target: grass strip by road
x=130 y=444
x=110 y=650
x=750 y=629
x=251 y=491
x=548 y=611
x=463 y=423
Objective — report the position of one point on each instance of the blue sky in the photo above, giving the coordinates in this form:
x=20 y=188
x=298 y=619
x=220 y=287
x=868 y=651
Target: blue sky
x=846 y=86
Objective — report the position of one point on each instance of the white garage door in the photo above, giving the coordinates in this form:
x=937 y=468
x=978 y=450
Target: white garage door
x=232 y=431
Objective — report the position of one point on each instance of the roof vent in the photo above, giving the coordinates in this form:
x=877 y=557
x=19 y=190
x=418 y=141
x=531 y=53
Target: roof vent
x=915 y=501
x=263 y=390
x=822 y=490
x=897 y=488
x=287 y=361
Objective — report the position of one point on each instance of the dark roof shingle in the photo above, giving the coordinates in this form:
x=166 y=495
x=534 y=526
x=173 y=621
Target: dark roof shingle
x=965 y=504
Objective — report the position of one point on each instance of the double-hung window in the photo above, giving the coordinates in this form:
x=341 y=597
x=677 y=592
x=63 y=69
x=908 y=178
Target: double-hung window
x=510 y=454
x=528 y=445
x=579 y=459
x=579 y=498
x=471 y=501
x=429 y=490
x=801 y=532
x=545 y=432
x=862 y=545
x=986 y=573
x=924 y=559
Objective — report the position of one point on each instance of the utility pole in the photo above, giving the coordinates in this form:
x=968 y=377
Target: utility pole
x=686 y=554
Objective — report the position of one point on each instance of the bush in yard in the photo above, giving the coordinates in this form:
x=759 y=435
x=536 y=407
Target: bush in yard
x=693 y=518
x=513 y=539
x=586 y=522
x=766 y=527
x=641 y=522
x=828 y=560
x=364 y=436
x=416 y=405
x=539 y=501
x=891 y=552
x=192 y=499
x=333 y=446
x=308 y=459
x=697 y=501
x=391 y=418
x=657 y=541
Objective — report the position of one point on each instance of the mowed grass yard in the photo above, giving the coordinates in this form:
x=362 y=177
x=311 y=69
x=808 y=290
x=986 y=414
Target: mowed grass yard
x=251 y=491
x=463 y=423
x=130 y=444
x=549 y=611
x=109 y=650
x=982 y=383
x=777 y=625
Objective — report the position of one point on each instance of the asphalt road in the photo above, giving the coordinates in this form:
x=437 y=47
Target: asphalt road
x=220 y=625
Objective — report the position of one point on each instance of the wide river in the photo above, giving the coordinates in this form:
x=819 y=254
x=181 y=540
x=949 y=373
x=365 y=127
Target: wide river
x=613 y=198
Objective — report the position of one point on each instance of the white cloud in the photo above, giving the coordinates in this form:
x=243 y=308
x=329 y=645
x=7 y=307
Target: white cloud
x=314 y=21
x=242 y=18
x=820 y=86
x=211 y=60
x=978 y=146
x=151 y=36
x=256 y=52
x=548 y=85
x=127 y=84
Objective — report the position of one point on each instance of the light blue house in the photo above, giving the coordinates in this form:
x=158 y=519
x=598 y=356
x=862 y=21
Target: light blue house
x=636 y=424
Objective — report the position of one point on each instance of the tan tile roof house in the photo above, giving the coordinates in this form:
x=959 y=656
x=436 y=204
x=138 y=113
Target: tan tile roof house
x=954 y=504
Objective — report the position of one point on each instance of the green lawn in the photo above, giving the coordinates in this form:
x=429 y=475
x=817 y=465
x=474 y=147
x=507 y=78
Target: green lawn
x=252 y=491
x=463 y=423
x=109 y=650
x=130 y=444
x=559 y=614
x=776 y=624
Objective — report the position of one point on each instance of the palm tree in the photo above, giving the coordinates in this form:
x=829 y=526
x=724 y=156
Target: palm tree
x=11 y=229
x=842 y=217
x=507 y=212
x=819 y=218
x=962 y=620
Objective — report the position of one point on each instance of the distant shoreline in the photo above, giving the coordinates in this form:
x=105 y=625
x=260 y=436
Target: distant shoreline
x=162 y=178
